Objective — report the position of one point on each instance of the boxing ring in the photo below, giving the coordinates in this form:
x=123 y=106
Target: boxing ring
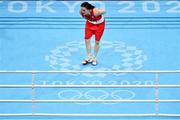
x=34 y=86
x=42 y=46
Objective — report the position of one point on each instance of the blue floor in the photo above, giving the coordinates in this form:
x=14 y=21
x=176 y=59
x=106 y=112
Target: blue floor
x=139 y=35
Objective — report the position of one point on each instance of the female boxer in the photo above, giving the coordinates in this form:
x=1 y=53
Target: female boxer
x=95 y=24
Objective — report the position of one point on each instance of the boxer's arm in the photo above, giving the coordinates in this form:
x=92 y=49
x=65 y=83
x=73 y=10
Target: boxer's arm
x=98 y=11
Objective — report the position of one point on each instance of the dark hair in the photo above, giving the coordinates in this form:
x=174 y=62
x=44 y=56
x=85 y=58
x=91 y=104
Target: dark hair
x=87 y=5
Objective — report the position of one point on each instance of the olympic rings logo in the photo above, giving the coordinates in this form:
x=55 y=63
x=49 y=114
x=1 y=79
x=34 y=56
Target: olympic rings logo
x=95 y=95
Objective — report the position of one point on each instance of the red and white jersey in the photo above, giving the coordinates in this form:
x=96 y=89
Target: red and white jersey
x=92 y=18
